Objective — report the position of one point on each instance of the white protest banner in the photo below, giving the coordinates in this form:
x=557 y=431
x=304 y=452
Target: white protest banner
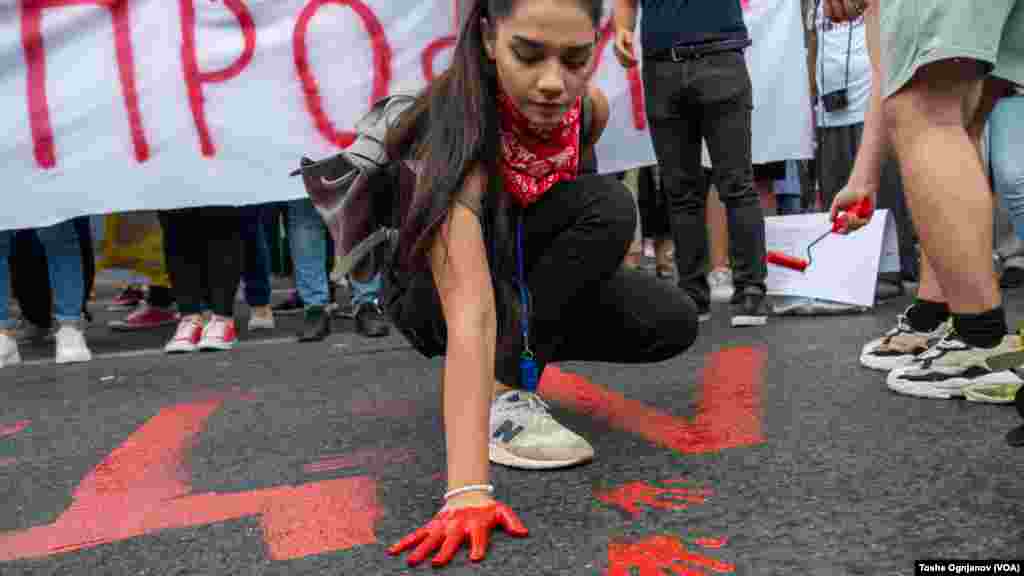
x=120 y=105
x=843 y=268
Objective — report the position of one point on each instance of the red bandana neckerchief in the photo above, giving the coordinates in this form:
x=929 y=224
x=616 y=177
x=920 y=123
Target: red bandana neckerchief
x=535 y=159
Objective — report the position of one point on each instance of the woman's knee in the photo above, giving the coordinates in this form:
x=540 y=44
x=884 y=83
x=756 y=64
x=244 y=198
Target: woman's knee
x=615 y=209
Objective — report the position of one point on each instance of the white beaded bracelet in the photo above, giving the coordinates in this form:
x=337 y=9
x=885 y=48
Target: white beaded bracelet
x=489 y=488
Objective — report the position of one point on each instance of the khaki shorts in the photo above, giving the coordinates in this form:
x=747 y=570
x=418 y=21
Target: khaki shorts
x=918 y=32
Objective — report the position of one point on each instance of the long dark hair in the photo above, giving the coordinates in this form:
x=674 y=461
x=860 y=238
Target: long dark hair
x=452 y=126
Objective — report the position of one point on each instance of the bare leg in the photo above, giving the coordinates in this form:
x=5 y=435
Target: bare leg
x=945 y=181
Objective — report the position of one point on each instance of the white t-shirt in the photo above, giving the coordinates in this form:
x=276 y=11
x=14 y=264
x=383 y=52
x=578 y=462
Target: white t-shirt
x=833 y=40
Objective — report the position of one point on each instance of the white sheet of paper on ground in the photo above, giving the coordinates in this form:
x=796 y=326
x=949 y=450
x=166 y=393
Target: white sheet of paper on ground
x=844 y=268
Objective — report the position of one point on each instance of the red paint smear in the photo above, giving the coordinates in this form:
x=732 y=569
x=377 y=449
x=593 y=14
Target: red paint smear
x=630 y=496
x=15 y=428
x=143 y=487
x=194 y=78
x=659 y=555
x=7 y=462
x=728 y=415
x=711 y=542
x=35 y=56
x=370 y=460
x=381 y=65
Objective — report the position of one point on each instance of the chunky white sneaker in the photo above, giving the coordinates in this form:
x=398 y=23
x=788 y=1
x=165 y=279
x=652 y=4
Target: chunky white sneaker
x=952 y=365
x=186 y=337
x=71 y=345
x=524 y=435
x=219 y=334
x=9 y=355
x=720 y=281
x=901 y=345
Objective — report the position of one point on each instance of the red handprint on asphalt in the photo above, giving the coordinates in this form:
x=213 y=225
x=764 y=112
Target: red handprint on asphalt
x=450 y=528
x=629 y=496
x=660 y=556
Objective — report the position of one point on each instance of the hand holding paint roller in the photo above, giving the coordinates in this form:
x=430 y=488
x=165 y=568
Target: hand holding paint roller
x=840 y=225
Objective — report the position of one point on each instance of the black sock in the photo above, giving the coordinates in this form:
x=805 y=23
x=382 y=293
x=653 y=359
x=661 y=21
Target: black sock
x=985 y=330
x=925 y=316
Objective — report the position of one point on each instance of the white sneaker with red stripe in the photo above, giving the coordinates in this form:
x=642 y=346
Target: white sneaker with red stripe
x=186 y=337
x=219 y=334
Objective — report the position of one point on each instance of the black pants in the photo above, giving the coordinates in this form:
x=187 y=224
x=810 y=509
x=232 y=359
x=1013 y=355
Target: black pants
x=837 y=148
x=653 y=207
x=30 y=278
x=708 y=99
x=585 y=307
x=203 y=248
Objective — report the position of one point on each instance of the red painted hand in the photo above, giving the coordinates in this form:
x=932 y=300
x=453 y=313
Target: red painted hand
x=449 y=528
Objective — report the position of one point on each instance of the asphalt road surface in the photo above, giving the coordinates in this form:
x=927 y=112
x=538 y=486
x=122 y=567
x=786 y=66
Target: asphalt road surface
x=760 y=451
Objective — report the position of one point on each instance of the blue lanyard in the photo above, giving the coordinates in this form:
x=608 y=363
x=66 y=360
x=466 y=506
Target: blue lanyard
x=528 y=371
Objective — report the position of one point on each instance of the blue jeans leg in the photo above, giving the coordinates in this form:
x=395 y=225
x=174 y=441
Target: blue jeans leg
x=6 y=239
x=308 y=242
x=256 y=269
x=64 y=259
x=1006 y=155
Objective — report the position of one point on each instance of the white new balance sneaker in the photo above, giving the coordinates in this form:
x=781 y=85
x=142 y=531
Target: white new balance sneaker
x=524 y=435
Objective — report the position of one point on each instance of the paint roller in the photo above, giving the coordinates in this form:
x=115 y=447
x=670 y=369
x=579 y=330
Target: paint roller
x=862 y=209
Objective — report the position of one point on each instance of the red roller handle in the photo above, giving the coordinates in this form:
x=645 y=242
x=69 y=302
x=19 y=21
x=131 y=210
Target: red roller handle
x=786 y=261
x=862 y=209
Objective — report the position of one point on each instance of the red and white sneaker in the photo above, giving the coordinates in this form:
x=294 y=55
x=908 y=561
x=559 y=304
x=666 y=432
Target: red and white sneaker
x=128 y=299
x=219 y=334
x=186 y=337
x=146 y=317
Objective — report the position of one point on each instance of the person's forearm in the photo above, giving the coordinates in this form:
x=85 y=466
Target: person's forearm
x=468 y=389
x=624 y=14
x=874 y=142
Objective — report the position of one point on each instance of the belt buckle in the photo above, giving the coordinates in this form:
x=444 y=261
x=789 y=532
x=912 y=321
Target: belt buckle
x=682 y=54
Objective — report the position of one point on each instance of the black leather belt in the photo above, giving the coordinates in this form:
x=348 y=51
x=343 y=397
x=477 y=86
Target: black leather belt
x=687 y=52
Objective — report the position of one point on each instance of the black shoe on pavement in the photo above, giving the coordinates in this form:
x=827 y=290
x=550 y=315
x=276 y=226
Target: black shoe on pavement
x=316 y=326
x=371 y=322
x=749 y=307
x=703 y=312
x=293 y=305
x=1011 y=278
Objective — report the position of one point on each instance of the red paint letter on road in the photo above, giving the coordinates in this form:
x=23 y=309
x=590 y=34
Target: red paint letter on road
x=381 y=65
x=661 y=555
x=728 y=415
x=38 y=106
x=143 y=487
x=194 y=78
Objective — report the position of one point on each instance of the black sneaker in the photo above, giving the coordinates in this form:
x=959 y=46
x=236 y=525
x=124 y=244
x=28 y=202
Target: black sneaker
x=317 y=325
x=371 y=322
x=1011 y=278
x=749 y=307
x=703 y=312
x=293 y=305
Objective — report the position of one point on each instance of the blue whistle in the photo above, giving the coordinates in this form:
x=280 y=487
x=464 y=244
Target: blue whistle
x=528 y=373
